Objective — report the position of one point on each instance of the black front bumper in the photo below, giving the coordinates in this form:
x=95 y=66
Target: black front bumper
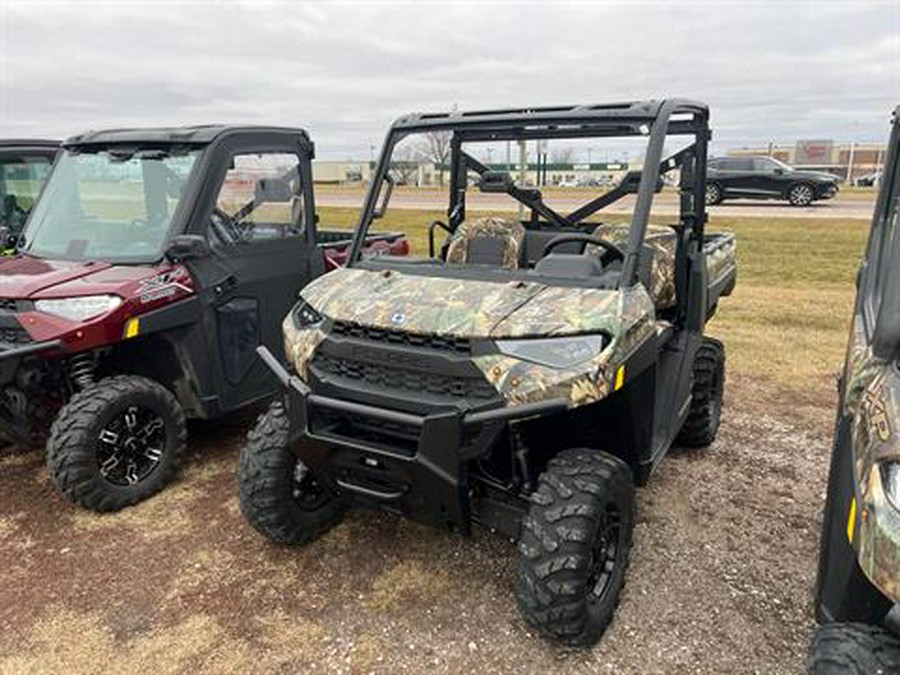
x=408 y=463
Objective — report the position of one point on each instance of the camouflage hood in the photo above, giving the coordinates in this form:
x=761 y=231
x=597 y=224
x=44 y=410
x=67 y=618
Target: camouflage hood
x=462 y=307
x=435 y=305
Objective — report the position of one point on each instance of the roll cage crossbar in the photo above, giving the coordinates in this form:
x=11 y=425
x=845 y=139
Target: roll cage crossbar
x=653 y=119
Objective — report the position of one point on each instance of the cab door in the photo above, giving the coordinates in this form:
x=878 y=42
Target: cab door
x=261 y=232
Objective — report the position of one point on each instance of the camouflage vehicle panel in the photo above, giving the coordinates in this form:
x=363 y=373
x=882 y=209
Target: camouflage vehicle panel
x=501 y=311
x=873 y=403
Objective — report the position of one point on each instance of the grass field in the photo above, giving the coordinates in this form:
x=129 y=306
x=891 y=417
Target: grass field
x=788 y=318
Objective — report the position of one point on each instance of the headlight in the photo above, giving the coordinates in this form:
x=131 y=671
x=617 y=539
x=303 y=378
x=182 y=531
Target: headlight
x=890 y=481
x=81 y=308
x=304 y=315
x=562 y=352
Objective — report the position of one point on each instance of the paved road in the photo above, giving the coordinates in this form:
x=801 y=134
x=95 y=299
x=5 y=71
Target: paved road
x=849 y=206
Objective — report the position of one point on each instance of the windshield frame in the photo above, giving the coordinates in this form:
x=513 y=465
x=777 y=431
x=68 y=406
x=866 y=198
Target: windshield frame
x=655 y=120
x=179 y=215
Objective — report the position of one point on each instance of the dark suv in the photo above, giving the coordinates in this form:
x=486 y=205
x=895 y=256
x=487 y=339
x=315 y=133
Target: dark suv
x=766 y=178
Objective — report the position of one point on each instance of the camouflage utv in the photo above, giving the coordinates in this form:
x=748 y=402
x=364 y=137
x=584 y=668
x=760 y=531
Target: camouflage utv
x=524 y=376
x=858 y=588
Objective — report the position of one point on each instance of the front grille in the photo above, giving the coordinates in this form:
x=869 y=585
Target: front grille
x=14 y=336
x=10 y=305
x=397 y=337
x=400 y=438
x=394 y=377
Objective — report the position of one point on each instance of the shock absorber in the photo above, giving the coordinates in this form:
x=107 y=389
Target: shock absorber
x=81 y=370
x=521 y=451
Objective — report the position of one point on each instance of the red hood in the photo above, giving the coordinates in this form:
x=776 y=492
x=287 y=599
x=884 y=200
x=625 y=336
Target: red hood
x=25 y=277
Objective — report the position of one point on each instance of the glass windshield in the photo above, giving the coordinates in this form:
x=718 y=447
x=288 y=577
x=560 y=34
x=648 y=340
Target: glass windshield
x=113 y=204
x=21 y=178
x=781 y=165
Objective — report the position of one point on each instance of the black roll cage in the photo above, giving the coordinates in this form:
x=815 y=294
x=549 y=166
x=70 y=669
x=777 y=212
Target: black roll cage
x=653 y=119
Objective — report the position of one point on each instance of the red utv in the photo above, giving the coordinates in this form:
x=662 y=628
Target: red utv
x=152 y=266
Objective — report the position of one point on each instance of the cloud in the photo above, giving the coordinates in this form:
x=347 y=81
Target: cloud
x=344 y=70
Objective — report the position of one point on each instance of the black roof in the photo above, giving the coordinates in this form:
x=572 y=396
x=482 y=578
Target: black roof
x=198 y=135
x=631 y=111
x=27 y=143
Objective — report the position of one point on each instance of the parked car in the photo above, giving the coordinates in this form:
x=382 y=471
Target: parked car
x=766 y=178
x=870 y=179
x=152 y=266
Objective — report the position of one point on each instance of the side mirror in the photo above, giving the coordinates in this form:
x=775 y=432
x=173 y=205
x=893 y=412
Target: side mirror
x=385 y=197
x=7 y=240
x=778 y=171
x=495 y=181
x=186 y=247
x=273 y=190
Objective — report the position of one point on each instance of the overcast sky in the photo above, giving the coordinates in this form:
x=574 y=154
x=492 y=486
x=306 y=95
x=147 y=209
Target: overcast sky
x=769 y=70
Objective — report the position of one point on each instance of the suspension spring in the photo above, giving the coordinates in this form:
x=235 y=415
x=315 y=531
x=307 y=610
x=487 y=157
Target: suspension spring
x=81 y=370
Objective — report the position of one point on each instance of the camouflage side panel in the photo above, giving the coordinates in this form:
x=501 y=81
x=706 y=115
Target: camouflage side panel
x=721 y=257
x=510 y=231
x=662 y=241
x=628 y=320
x=872 y=400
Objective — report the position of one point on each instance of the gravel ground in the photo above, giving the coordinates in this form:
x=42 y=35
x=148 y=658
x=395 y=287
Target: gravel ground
x=720 y=581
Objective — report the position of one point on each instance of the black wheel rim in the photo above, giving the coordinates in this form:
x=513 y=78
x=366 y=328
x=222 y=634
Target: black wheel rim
x=306 y=491
x=604 y=553
x=131 y=446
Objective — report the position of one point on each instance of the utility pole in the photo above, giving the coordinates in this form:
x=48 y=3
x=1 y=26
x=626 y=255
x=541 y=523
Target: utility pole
x=508 y=156
x=850 y=163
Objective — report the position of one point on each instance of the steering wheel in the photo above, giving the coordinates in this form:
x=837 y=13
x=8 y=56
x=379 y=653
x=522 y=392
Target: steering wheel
x=611 y=251
x=228 y=229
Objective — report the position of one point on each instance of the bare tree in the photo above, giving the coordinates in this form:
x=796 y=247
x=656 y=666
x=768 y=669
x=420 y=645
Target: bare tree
x=436 y=148
x=561 y=155
x=405 y=165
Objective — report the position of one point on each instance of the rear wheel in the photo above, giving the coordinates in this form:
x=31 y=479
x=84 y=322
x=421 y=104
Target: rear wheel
x=713 y=194
x=116 y=442
x=854 y=649
x=575 y=544
x=279 y=495
x=702 y=423
x=801 y=194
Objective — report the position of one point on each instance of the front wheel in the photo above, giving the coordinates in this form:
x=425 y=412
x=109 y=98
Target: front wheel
x=713 y=194
x=575 y=544
x=116 y=442
x=801 y=194
x=854 y=649
x=280 y=496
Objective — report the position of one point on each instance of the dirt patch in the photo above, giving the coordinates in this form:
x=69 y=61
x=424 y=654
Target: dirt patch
x=721 y=576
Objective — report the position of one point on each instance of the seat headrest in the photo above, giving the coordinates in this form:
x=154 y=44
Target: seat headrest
x=491 y=240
